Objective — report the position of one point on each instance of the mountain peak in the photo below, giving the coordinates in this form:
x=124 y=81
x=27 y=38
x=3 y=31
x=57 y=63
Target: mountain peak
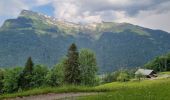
x=27 y=13
x=32 y=14
x=42 y=22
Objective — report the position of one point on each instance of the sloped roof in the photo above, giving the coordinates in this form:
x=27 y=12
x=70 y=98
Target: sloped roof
x=144 y=71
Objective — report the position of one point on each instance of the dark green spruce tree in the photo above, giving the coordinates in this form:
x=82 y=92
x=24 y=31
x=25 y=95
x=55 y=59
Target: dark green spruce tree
x=1 y=79
x=26 y=75
x=72 y=70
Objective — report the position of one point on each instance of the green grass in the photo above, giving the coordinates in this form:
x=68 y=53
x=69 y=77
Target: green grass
x=45 y=90
x=133 y=90
x=162 y=73
x=145 y=90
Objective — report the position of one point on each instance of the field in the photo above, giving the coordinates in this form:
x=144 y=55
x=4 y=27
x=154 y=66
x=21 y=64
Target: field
x=133 y=90
x=145 y=90
x=45 y=90
x=164 y=73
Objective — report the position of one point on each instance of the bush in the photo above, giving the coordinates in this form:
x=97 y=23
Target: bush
x=120 y=75
x=123 y=77
x=1 y=79
x=139 y=76
x=11 y=77
x=38 y=77
x=111 y=77
x=55 y=77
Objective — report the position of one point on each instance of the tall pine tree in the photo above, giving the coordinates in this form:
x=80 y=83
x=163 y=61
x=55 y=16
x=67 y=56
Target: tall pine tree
x=72 y=68
x=26 y=75
x=29 y=66
x=1 y=79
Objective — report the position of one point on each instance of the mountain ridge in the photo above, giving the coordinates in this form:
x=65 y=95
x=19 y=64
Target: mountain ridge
x=89 y=27
x=116 y=44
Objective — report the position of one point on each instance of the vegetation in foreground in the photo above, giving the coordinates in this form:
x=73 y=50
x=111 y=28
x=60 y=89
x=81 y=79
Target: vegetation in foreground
x=76 y=73
x=132 y=90
x=145 y=90
x=75 y=69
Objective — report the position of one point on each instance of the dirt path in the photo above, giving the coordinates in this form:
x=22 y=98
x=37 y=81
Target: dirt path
x=53 y=96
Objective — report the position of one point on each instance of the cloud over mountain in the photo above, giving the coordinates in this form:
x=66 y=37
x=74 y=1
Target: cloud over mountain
x=149 y=13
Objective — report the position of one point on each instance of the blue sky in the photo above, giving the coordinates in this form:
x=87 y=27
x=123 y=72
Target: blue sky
x=147 y=13
x=45 y=9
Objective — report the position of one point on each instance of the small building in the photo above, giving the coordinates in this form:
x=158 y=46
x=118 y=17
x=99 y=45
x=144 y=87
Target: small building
x=146 y=72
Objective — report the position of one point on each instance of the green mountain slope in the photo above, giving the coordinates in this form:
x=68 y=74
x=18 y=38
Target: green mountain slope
x=46 y=39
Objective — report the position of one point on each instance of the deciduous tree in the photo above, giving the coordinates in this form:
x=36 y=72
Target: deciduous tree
x=88 y=67
x=72 y=68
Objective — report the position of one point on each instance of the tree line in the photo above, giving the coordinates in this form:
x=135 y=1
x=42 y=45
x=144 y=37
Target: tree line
x=160 y=63
x=76 y=68
x=122 y=75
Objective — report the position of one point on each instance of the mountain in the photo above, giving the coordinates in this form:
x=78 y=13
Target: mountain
x=47 y=39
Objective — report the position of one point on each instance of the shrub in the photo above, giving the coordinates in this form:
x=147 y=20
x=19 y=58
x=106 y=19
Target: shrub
x=11 y=77
x=39 y=74
x=123 y=77
x=55 y=77
x=1 y=79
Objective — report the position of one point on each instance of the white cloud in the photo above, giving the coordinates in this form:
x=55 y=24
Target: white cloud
x=149 y=19
x=109 y=10
x=11 y=7
x=148 y=13
x=41 y=2
x=65 y=10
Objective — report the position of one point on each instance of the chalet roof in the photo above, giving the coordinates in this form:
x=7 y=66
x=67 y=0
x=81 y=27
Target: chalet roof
x=144 y=71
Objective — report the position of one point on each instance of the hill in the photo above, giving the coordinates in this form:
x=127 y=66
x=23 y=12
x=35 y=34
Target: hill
x=46 y=39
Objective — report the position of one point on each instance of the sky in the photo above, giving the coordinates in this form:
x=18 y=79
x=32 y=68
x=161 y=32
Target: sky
x=153 y=14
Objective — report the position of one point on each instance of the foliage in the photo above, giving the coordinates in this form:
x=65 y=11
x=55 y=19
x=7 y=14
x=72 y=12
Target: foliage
x=69 y=70
x=38 y=76
x=161 y=63
x=117 y=75
x=1 y=79
x=56 y=76
x=107 y=78
x=72 y=68
x=111 y=77
x=11 y=77
x=29 y=66
x=26 y=76
x=88 y=67
x=139 y=76
x=123 y=76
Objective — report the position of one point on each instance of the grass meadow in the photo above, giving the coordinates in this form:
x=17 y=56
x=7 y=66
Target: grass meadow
x=132 y=90
x=144 y=90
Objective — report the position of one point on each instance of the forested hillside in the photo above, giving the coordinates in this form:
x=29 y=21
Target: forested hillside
x=46 y=39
